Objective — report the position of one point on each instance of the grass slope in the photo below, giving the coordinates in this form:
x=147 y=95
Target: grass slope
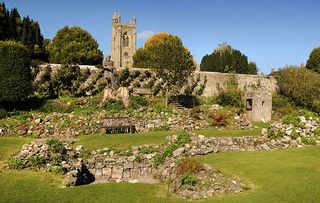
x=291 y=175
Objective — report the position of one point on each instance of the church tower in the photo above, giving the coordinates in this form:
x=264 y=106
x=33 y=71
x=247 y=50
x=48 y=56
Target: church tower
x=123 y=41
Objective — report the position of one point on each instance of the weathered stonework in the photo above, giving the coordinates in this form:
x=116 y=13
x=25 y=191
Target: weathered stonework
x=123 y=41
x=258 y=104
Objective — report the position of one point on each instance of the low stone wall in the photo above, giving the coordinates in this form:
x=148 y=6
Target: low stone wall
x=106 y=165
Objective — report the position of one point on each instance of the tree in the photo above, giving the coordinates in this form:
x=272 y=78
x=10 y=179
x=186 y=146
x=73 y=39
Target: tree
x=14 y=24
x=171 y=61
x=313 y=62
x=74 y=45
x=3 y=22
x=301 y=85
x=26 y=31
x=225 y=59
x=15 y=72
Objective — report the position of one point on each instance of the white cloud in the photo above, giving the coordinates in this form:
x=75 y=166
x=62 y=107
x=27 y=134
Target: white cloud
x=145 y=34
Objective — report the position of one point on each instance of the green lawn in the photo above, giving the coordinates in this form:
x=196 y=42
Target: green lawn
x=98 y=141
x=281 y=176
x=10 y=145
x=291 y=175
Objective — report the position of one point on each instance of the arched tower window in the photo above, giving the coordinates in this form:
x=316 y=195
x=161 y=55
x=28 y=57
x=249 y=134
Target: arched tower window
x=125 y=39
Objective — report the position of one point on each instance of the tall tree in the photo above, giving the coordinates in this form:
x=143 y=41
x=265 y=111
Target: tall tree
x=171 y=61
x=75 y=46
x=313 y=62
x=26 y=31
x=225 y=59
x=14 y=24
x=3 y=22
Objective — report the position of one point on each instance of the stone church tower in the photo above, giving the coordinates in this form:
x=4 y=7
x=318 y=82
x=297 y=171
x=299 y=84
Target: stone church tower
x=123 y=41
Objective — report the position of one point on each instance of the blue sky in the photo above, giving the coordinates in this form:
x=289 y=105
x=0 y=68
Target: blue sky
x=272 y=33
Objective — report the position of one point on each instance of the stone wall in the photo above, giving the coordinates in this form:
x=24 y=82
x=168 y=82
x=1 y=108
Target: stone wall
x=219 y=80
x=215 y=80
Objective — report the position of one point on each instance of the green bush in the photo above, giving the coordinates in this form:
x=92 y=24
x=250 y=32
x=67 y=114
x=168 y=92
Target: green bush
x=189 y=179
x=273 y=134
x=313 y=62
x=36 y=162
x=280 y=101
x=3 y=113
x=114 y=106
x=59 y=170
x=294 y=120
x=161 y=157
x=15 y=72
x=291 y=119
x=230 y=97
x=44 y=87
x=15 y=164
x=183 y=138
x=123 y=77
x=66 y=80
x=138 y=101
x=300 y=85
x=56 y=146
x=308 y=141
x=73 y=45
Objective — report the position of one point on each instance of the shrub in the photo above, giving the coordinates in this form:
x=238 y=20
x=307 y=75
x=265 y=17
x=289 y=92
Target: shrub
x=301 y=85
x=161 y=157
x=291 y=119
x=15 y=72
x=317 y=132
x=294 y=120
x=188 y=165
x=15 y=164
x=313 y=62
x=138 y=101
x=123 y=77
x=219 y=119
x=3 y=113
x=189 y=179
x=114 y=106
x=59 y=170
x=183 y=138
x=74 y=45
x=36 y=161
x=56 y=146
x=44 y=87
x=280 y=101
x=273 y=134
x=66 y=78
x=308 y=141
x=230 y=97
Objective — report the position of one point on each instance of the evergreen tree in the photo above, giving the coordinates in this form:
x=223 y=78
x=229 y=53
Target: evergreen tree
x=313 y=62
x=225 y=59
x=3 y=22
x=14 y=24
x=26 y=31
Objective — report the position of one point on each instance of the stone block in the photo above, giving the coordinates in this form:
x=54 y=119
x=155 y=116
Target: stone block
x=106 y=172
x=117 y=172
x=98 y=174
x=128 y=165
